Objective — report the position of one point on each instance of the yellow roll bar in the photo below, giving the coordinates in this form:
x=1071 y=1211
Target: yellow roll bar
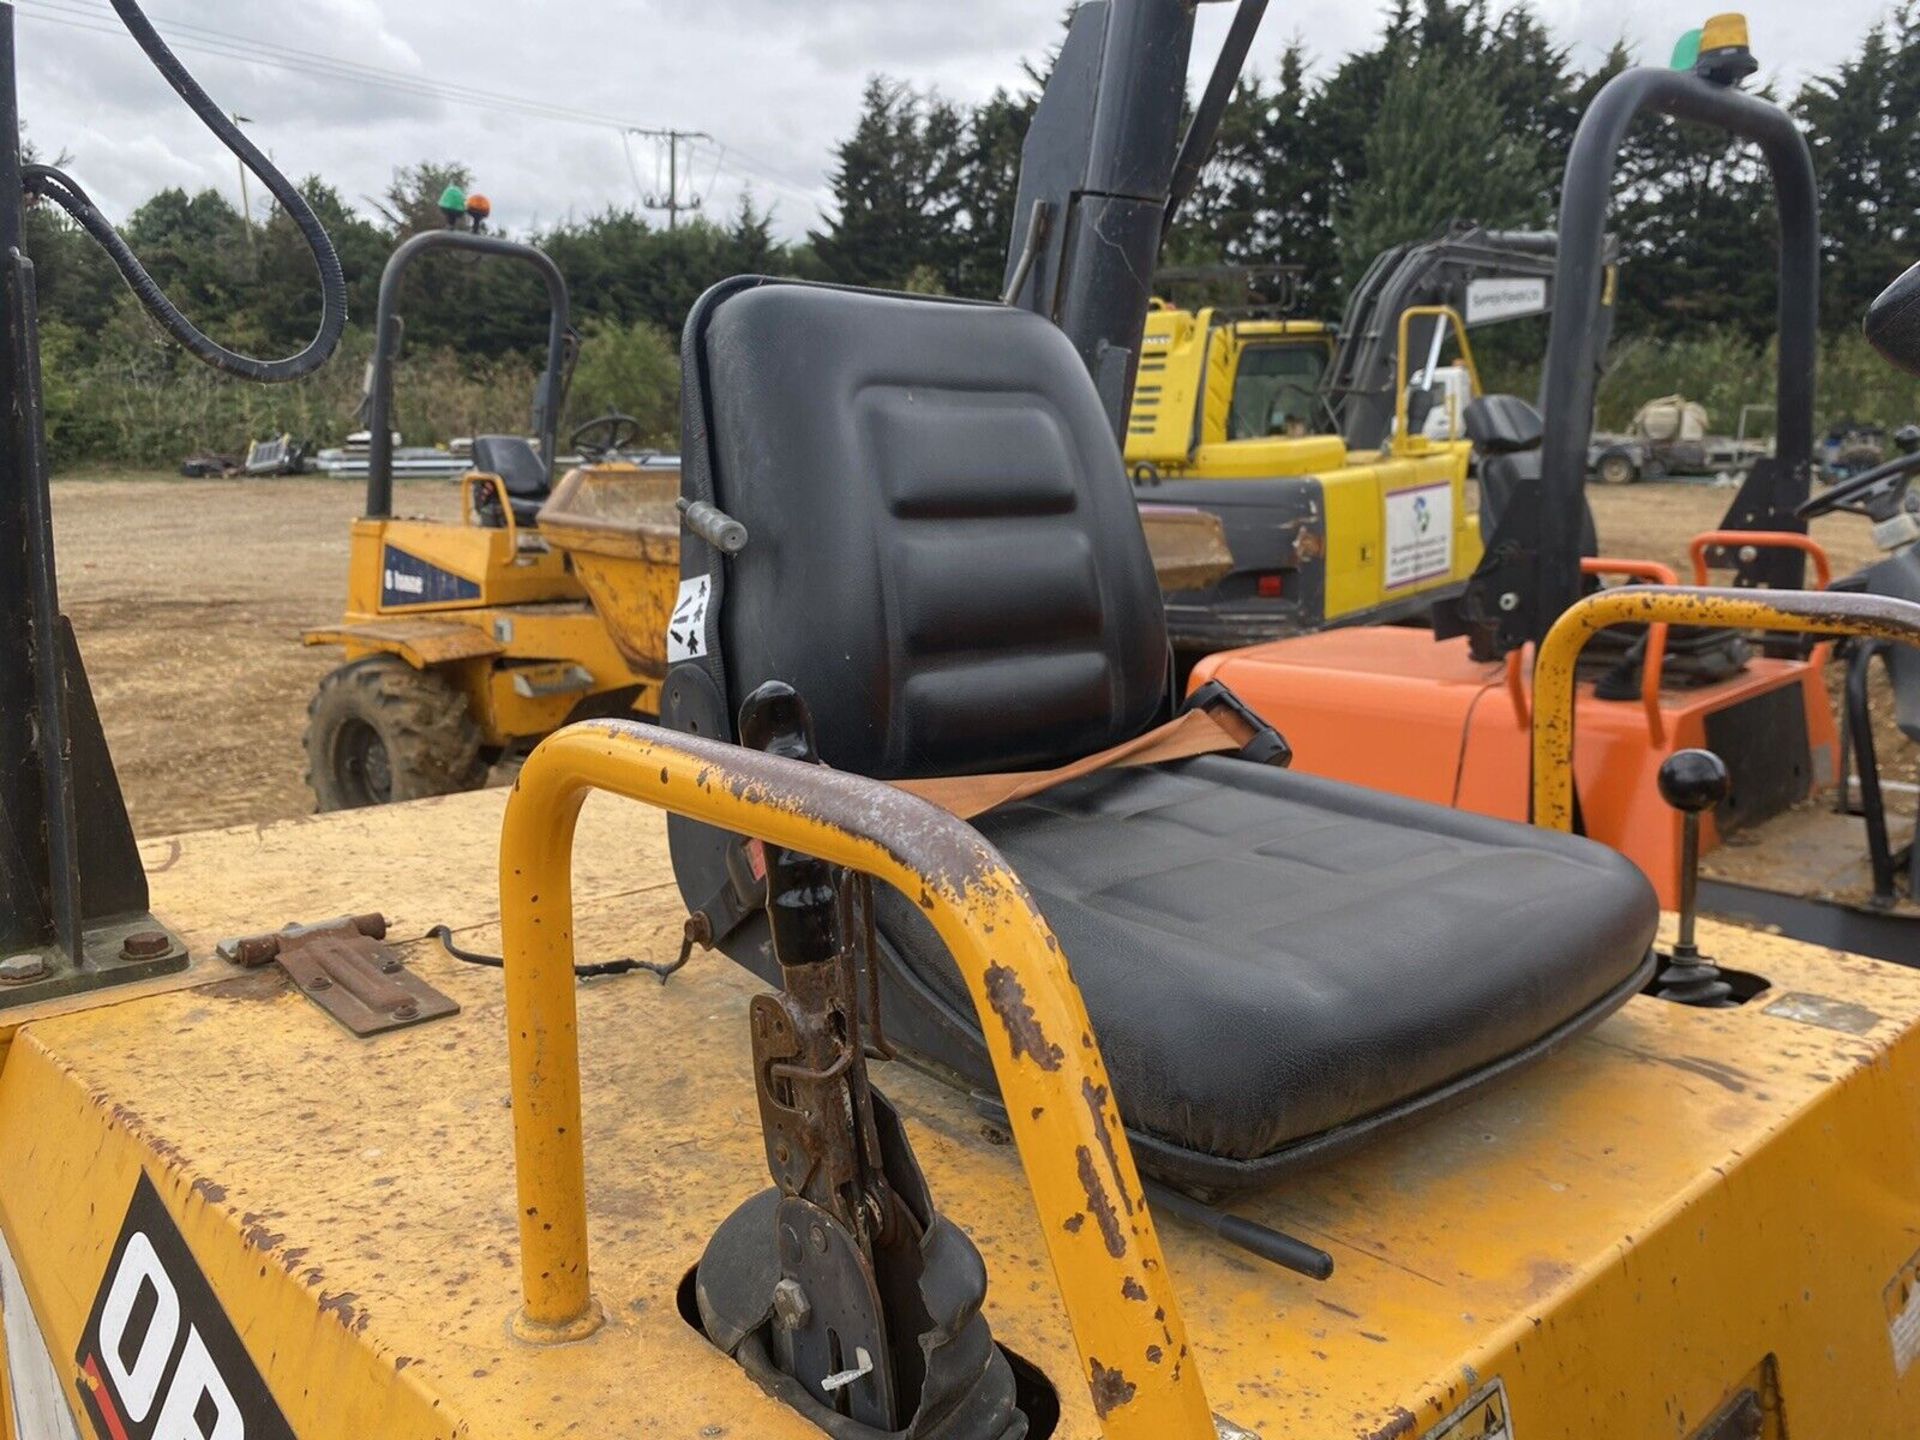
x=1106 y=1256
x=1444 y=314
x=1822 y=612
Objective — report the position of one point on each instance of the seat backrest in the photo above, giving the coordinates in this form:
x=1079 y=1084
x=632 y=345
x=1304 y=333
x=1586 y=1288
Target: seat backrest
x=945 y=557
x=1503 y=425
x=515 y=461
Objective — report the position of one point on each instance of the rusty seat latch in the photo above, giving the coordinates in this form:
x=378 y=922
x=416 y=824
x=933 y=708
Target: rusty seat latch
x=343 y=966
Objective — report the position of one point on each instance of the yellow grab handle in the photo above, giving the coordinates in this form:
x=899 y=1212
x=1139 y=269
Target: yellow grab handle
x=1815 y=611
x=1119 y=1298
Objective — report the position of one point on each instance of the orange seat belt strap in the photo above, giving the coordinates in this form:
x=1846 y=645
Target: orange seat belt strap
x=1211 y=731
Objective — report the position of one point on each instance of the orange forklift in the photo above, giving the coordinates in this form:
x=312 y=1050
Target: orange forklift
x=1444 y=716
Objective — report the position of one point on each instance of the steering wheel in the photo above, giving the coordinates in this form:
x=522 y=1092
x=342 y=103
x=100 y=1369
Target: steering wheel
x=1876 y=494
x=608 y=435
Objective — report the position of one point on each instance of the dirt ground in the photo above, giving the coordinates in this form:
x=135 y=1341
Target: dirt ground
x=189 y=598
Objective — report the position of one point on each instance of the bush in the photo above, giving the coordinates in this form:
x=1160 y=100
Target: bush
x=633 y=369
x=140 y=400
x=1724 y=371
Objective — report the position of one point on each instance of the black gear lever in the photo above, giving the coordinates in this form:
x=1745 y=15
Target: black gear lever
x=1692 y=782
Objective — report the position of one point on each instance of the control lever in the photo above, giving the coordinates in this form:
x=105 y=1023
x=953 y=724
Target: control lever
x=1692 y=782
x=712 y=524
x=841 y=1290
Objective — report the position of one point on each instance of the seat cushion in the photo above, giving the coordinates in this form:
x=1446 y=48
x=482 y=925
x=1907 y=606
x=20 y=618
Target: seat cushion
x=1276 y=963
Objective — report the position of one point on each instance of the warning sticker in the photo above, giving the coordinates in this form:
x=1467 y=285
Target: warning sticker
x=1902 y=1298
x=1485 y=1417
x=1419 y=535
x=687 y=629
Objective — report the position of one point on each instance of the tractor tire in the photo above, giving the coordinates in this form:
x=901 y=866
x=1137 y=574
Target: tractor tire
x=1617 y=469
x=379 y=730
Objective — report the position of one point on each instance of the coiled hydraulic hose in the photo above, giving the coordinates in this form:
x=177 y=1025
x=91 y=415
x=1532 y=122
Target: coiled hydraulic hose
x=61 y=189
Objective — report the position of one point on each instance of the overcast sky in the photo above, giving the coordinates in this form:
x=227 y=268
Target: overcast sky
x=774 y=82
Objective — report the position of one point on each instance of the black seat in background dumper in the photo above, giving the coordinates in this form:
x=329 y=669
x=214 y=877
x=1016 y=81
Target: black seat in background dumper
x=946 y=562
x=518 y=464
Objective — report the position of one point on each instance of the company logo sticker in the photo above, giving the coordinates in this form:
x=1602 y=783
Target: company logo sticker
x=159 y=1360
x=408 y=580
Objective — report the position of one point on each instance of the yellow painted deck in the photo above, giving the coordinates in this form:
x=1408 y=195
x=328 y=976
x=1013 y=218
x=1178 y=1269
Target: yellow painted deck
x=1622 y=1234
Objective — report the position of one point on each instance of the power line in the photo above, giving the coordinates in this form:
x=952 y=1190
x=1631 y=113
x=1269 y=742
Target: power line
x=207 y=40
x=670 y=200
x=204 y=40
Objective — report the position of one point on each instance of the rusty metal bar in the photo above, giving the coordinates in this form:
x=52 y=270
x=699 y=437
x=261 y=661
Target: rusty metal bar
x=1079 y=1168
x=1793 y=611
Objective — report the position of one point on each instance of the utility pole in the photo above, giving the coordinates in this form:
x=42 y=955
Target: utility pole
x=671 y=201
x=246 y=202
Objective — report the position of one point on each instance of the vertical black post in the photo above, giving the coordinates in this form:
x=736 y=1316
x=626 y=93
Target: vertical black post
x=26 y=916
x=1100 y=156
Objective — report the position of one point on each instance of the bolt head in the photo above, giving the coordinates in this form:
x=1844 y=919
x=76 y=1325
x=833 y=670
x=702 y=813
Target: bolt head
x=818 y=1235
x=405 y=1010
x=1510 y=601
x=17 y=968
x=319 y=982
x=790 y=1305
x=145 y=945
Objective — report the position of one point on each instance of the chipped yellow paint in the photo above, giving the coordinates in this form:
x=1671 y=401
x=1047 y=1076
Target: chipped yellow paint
x=1079 y=1168
x=1621 y=1233
x=1791 y=611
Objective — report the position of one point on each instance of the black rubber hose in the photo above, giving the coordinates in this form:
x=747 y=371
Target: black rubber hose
x=45 y=180
x=444 y=935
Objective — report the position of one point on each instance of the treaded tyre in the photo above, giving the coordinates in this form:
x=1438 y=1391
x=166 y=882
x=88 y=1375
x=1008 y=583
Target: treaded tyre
x=1617 y=469
x=379 y=730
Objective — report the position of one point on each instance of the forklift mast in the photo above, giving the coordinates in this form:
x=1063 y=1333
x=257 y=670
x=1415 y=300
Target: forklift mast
x=1101 y=178
x=1531 y=573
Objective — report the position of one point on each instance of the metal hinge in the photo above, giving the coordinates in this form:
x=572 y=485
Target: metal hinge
x=342 y=966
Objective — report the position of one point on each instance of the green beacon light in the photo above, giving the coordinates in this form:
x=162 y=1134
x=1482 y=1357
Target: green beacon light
x=1686 y=51
x=453 y=205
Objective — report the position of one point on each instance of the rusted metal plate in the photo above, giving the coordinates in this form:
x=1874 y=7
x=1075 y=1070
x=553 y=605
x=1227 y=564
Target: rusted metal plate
x=342 y=966
x=419 y=641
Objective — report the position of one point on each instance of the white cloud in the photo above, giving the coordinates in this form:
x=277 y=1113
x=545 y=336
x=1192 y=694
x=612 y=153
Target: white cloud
x=776 y=83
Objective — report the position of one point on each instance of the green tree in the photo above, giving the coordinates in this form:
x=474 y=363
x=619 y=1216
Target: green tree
x=1441 y=147
x=896 y=186
x=1859 y=122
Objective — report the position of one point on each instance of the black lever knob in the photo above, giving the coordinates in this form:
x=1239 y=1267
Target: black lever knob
x=1692 y=781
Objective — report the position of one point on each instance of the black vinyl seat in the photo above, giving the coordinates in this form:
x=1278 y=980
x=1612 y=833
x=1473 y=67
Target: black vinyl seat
x=518 y=464
x=946 y=562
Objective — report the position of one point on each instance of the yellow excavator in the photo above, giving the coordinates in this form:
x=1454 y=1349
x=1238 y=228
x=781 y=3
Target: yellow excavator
x=1077 y=1069
x=1335 y=456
